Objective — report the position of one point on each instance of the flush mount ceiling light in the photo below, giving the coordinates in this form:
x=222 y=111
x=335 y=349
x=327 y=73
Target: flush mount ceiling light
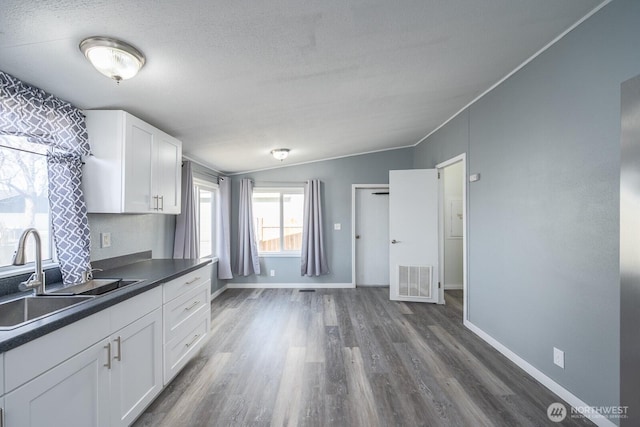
x=280 y=153
x=113 y=58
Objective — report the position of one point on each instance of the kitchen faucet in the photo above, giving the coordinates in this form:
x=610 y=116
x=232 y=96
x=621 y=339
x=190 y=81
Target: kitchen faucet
x=36 y=280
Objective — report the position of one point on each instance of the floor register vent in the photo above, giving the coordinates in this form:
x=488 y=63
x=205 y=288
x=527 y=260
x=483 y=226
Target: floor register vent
x=414 y=281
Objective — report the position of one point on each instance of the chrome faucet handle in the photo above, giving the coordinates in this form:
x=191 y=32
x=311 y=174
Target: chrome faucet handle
x=31 y=283
x=88 y=275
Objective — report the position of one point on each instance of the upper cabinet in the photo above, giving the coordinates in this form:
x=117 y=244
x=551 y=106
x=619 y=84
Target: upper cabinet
x=133 y=168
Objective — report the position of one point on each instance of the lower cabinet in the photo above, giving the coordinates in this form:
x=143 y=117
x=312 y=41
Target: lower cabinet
x=74 y=393
x=108 y=384
x=136 y=367
x=107 y=368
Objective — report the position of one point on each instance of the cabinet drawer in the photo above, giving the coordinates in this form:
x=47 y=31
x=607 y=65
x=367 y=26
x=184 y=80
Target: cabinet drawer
x=180 y=350
x=134 y=308
x=183 y=308
x=185 y=283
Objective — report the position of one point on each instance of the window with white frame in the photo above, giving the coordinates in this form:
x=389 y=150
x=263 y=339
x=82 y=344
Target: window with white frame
x=206 y=194
x=277 y=218
x=23 y=198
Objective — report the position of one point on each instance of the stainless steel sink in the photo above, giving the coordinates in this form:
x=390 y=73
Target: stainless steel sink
x=95 y=287
x=18 y=312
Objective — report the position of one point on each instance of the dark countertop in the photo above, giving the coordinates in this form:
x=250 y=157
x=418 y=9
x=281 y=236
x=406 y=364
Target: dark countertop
x=153 y=272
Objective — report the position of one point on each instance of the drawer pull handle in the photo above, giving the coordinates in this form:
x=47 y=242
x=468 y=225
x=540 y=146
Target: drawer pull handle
x=195 y=279
x=119 y=354
x=195 y=337
x=108 y=364
x=192 y=305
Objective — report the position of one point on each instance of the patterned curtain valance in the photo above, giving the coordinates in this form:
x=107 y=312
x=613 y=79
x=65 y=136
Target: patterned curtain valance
x=41 y=117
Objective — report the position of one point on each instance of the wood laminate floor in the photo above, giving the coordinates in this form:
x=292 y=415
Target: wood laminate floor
x=347 y=357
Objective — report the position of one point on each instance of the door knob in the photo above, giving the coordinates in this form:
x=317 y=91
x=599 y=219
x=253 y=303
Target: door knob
x=357 y=236
x=394 y=241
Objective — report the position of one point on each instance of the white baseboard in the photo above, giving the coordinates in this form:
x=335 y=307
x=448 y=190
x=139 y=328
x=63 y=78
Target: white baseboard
x=217 y=293
x=290 y=285
x=556 y=388
x=452 y=287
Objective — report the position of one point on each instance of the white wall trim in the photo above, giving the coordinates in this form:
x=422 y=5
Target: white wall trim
x=218 y=292
x=518 y=68
x=556 y=388
x=355 y=187
x=290 y=285
x=453 y=286
x=201 y=163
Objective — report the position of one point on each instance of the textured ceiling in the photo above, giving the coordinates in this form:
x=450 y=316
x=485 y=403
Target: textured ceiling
x=235 y=79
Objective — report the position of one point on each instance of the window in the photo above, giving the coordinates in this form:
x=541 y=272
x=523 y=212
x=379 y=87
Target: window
x=206 y=193
x=277 y=216
x=23 y=197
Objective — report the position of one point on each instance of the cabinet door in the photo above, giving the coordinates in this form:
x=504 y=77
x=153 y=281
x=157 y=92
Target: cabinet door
x=136 y=376
x=168 y=173
x=74 y=393
x=138 y=181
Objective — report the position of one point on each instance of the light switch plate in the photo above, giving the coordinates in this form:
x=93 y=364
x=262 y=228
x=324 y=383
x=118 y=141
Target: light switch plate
x=105 y=240
x=558 y=357
x=337 y=226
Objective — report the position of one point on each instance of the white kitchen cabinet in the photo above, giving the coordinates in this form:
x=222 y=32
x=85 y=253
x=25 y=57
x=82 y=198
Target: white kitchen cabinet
x=1 y=376
x=133 y=167
x=168 y=178
x=186 y=317
x=74 y=393
x=107 y=368
x=136 y=367
x=56 y=380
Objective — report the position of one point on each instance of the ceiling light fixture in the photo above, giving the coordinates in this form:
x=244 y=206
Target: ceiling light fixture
x=113 y=58
x=280 y=153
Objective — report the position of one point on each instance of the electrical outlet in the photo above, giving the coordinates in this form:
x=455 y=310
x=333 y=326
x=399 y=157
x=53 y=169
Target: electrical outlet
x=105 y=240
x=558 y=357
x=272 y=273
x=337 y=226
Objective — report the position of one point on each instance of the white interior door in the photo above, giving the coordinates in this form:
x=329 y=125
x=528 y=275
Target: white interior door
x=372 y=236
x=413 y=233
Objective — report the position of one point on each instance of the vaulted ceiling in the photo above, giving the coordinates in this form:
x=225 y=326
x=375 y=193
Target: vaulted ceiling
x=327 y=78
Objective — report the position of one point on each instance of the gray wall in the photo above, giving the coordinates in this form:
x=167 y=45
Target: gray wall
x=337 y=176
x=131 y=234
x=544 y=218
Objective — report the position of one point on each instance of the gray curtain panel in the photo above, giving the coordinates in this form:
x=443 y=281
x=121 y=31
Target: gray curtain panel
x=186 y=243
x=313 y=259
x=223 y=242
x=44 y=119
x=247 y=261
x=41 y=117
x=69 y=216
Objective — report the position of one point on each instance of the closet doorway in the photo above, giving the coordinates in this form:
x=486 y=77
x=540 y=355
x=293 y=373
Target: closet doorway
x=453 y=231
x=370 y=257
